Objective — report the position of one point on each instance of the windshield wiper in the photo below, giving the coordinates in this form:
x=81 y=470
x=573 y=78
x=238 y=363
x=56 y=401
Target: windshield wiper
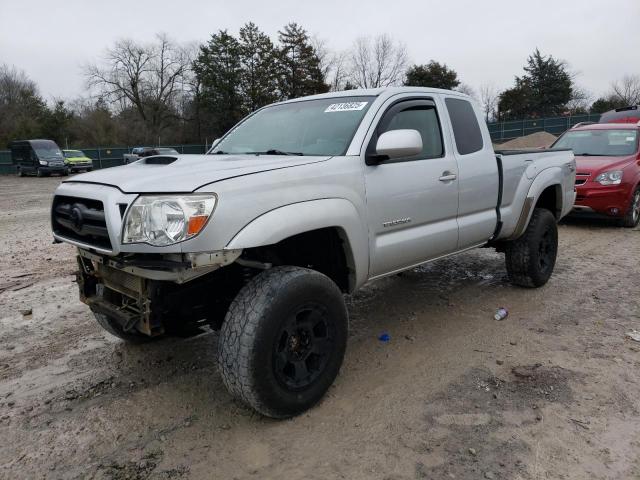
x=275 y=151
x=585 y=154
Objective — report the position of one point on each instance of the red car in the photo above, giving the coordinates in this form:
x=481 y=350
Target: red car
x=607 y=168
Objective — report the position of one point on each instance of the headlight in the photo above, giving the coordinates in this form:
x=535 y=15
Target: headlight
x=44 y=162
x=610 y=178
x=167 y=219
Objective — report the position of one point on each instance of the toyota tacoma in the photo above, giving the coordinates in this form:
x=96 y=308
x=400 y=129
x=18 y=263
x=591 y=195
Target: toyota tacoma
x=300 y=203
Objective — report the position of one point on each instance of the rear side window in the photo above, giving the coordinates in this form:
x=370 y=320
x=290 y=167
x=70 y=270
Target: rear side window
x=465 y=126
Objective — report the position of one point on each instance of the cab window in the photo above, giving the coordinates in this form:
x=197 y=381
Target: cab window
x=420 y=115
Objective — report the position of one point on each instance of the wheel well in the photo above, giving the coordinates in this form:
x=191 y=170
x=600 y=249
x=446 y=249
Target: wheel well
x=325 y=250
x=551 y=199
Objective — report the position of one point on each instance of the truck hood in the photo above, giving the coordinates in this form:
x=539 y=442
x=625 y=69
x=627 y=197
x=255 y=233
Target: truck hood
x=592 y=165
x=187 y=173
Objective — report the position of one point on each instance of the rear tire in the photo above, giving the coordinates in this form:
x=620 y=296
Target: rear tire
x=531 y=258
x=632 y=217
x=283 y=340
x=20 y=172
x=113 y=327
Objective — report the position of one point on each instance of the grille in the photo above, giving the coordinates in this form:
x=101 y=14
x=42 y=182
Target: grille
x=80 y=219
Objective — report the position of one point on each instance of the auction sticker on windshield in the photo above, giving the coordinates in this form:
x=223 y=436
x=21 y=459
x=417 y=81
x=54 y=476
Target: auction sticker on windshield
x=345 y=107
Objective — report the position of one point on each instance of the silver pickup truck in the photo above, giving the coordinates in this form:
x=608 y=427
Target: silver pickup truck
x=302 y=202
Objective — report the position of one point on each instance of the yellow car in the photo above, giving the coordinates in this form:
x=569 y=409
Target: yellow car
x=76 y=160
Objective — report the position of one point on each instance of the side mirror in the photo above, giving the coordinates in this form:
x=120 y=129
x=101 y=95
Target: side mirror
x=399 y=143
x=215 y=142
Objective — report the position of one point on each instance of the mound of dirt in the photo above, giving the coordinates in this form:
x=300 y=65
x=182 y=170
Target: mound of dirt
x=535 y=140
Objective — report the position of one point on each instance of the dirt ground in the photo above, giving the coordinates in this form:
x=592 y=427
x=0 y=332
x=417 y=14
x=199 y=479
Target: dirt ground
x=551 y=392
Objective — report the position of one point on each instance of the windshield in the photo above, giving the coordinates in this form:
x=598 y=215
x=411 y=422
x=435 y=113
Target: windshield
x=312 y=127
x=73 y=153
x=609 y=143
x=167 y=150
x=46 y=149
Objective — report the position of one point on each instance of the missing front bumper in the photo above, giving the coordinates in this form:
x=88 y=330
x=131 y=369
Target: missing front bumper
x=129 y=300
x=154 y=293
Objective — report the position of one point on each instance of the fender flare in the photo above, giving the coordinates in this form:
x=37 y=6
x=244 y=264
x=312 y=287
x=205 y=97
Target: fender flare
x=550 y=177
x=283 y=222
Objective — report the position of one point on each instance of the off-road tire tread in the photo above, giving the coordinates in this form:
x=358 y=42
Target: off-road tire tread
x=517 y=252
x=240 y=325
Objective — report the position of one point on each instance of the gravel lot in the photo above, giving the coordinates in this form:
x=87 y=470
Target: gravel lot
x=552 y=391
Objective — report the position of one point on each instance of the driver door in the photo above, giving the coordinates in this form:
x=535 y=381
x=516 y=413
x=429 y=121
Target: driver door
x=413 y=201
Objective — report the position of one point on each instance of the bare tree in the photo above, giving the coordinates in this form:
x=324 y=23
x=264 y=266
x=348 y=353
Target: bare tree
x=627 y=90
x=580 y=101
x=148 y=78
x=13 y=84
x=489 y=98
x=377 y=62
x=21 y=106
x=332 y=64
x=324 y=54
x=466 y=89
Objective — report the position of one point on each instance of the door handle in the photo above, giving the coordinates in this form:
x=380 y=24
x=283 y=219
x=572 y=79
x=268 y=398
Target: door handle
x=447 y=177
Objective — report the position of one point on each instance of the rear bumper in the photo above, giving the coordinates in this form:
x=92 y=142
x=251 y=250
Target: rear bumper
x=610 y=200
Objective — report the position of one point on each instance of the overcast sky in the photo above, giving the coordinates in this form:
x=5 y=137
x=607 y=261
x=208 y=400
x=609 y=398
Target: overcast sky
x=484 y=41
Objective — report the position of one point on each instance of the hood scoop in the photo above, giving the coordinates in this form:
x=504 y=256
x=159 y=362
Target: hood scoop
x=159 y=160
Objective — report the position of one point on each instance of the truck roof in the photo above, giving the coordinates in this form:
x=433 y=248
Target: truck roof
x=376 y=92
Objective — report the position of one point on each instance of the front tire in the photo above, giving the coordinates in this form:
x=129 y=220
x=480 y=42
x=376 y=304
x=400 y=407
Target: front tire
x=632 y=217
x=531 y=258
x=283 y=340
x=112 y=326
x=20 y=172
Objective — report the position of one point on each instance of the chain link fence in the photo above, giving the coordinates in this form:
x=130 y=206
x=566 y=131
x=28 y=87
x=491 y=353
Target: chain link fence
x=503 y=131
x=104 y=157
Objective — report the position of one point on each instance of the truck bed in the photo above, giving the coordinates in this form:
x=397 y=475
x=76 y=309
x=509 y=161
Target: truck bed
x=520 y=168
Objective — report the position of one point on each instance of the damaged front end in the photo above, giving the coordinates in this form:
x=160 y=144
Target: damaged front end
x=153 y=294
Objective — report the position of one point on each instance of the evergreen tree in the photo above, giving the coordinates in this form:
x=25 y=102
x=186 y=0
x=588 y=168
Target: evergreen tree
x=546 y=88
x=515 y=103
x=56 y=124
x=219 y=71
x=605 y=104
x=550 y=83
x=300 y=72
x=433 y=74
x=259 y=61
